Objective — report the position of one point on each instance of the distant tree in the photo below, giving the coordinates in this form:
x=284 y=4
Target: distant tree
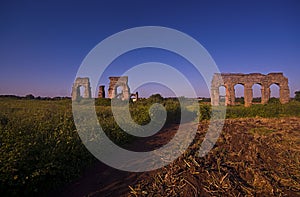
x=29 y=96
x=297 y=95
x=10 y=96
x=156 y=98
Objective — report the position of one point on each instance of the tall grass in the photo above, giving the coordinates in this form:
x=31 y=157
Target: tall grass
x=270 y=110
x=40 y=149
x=39 y=146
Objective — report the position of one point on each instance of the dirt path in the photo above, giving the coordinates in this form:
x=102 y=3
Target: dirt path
x=102 y=180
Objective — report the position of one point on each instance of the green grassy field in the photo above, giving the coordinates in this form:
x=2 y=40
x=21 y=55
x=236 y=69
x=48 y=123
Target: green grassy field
x=40 y=149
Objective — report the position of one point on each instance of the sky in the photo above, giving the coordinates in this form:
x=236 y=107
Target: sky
x=43 y=43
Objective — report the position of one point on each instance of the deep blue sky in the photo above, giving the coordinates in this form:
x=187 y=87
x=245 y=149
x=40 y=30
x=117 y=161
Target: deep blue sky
x=42 y=43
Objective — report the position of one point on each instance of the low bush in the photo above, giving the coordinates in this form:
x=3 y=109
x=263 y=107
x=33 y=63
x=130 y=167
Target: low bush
x=102 y=102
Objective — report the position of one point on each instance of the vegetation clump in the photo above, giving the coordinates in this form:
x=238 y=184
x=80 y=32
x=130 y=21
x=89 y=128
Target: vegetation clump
x=297 y=97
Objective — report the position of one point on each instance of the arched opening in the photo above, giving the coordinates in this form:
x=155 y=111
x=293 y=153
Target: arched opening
x=81 y=90
x=222 y=95
x=119 y=92
x=239 y=93
x=256 y=88
x=275 y=92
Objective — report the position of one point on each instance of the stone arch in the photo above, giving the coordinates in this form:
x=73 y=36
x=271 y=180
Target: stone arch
x=215 y=95
x=273 y=92
x=282 y=82
x=121 y=82
x=81 y=82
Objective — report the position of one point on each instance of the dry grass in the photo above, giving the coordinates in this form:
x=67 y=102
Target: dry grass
x=253 y=156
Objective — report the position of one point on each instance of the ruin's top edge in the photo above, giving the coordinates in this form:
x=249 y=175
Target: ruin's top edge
x=117 y=77
x=243 y=74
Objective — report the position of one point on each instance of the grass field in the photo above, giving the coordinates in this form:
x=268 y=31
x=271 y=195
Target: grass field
x=40 y=149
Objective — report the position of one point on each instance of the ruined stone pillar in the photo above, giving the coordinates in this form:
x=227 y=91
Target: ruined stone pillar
x=265 y=94
x=87 y=92
x=248 y=95
x=75 y=93
x=126 y=93
x=284 y=94
x=111 y=92
x=230 y=95
x=101 y=93
x=215 y=96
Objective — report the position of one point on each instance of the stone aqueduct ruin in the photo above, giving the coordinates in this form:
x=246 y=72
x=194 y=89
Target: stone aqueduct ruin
x=114 y=83
x=228 y=80
x=84 y=82
x=248 y=80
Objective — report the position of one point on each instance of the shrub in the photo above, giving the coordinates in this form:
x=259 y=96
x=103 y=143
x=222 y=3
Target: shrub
x=240 y=100
x=155 y=98
x=102 y=102
x=29 y=96
x=256 y=100
x=205 y=112
x=274 y=100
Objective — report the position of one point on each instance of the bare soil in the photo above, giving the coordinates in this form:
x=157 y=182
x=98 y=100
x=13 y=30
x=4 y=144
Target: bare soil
x=252 y=157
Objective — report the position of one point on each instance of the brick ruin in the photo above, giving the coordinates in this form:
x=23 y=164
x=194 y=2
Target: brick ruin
x=101 y=92
x=114 y=84
x=229 y=80
x=85 y=82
